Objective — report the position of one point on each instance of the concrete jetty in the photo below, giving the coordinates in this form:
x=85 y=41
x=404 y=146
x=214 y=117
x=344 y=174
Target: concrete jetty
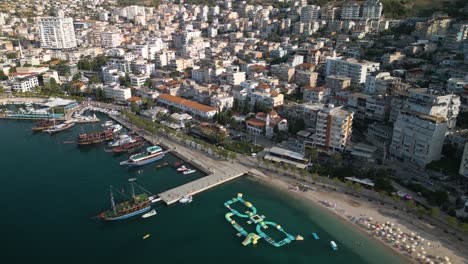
x=220 y=171
x=173 y=195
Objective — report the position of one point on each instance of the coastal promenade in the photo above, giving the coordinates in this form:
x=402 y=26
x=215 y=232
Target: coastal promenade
x=219 y=171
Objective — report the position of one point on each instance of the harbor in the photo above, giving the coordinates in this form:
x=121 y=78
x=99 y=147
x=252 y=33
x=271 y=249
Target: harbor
x=86 y=188
x=225 y=171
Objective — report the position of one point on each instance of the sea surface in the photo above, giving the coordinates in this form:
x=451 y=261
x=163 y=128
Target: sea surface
x=50 y=188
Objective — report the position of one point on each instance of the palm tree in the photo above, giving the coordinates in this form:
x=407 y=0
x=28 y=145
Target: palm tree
x=312 y=153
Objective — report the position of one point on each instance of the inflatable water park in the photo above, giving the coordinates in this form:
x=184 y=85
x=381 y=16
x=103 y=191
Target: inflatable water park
x=253 y=218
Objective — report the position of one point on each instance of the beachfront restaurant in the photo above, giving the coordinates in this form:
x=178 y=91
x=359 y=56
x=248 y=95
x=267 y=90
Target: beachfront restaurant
x=282 y=155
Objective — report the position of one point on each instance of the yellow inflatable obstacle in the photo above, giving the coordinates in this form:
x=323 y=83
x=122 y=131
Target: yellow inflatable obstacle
x=251 y=238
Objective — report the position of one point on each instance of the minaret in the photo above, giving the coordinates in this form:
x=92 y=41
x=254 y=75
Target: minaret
x=20 y=50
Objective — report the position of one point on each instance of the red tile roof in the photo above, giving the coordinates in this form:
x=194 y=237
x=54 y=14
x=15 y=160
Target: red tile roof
x=256 y=122
x=187 y=103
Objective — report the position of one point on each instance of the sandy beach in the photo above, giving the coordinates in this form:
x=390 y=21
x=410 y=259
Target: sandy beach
x=350 y=210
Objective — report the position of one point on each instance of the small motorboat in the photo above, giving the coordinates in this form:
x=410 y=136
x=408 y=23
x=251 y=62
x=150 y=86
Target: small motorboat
x=316 y=237
x=333 y=245
x=108 y=124
x=189 y=172
x=116 y=128
x=149 y=214
x=122 y=140
x=182 y=169
x=146 y=236
x=132 y=179
x=186 y=199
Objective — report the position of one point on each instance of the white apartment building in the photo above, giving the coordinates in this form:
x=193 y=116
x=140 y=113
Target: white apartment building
x=464 y=162
x=434 y=103
x=111 y=39
x=57 y=33
x=117 y=93
x=315 y=94
x=270 y=100
x=372 y=9
x=350 y=10
x=24 y=84
x=333 y=129
x=355 y=69
x=383 y=83
x=418 y=138
x=222 y=101
x=164 y=58
x=457 y=85
x=111 y=75
x=310 y=13
x=235 y=78
x=138 y=80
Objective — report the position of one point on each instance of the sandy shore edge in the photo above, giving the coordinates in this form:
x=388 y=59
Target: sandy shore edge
x=353 y=208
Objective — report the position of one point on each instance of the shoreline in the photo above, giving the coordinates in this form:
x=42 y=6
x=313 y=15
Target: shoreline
x=351 y=207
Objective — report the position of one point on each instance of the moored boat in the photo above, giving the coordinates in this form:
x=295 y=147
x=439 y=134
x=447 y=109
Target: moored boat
x=333 y=245
x=108 y=124
x=182 y=169
x=60 y=127
x=186 y=199
x=116 y=128
x=316 y=237
x=149 y=214
x=43 y=125
x=152 y=154
x=138 y=204
x=122 y=140
x=94 y=138
x=189 y=172
x=129 y=147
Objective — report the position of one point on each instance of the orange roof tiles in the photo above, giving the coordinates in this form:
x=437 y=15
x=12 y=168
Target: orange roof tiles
x=187 y=103
x=134 y=99
x=256 y=122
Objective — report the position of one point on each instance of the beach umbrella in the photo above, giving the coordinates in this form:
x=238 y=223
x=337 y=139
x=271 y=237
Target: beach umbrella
x=428 y=244
x=446 y=258
x=418 y=237
x=407 y=247
x=412 y=239
x=412 y=234
x=422 y=239
x=413 y=250
x=424 y=252
x=370 y=218
x=418 y=255
x=422 y=248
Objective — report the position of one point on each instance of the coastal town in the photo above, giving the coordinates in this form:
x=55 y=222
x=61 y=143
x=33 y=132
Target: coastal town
x=359 y=107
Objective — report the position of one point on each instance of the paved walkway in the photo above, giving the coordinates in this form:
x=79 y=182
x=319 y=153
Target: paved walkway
x=220 y=170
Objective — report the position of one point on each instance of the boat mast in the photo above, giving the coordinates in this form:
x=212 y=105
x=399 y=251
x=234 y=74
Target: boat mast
x=133 y=190
x=112 y=201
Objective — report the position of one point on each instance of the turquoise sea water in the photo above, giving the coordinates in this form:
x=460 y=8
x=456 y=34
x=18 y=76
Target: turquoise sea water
x=50 y=190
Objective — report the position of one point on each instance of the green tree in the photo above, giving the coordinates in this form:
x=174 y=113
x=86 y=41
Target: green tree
x=76 y=77
x=395 y=197
x=463 y=227
x=148 y=83
x=410 y=205
x=135 y=107
x=434 y=212
x=125 y=81
x=452 y=221
x=12 y=69
x=420 y=211
x=3 y=76
x=94 y=79
x=312 y=153
x=356 y=186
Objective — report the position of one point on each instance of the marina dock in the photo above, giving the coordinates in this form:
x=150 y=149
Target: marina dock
x=173 y=195
x=219 y=171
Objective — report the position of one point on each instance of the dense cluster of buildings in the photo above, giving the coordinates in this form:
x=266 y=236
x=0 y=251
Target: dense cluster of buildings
x=273 y=65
